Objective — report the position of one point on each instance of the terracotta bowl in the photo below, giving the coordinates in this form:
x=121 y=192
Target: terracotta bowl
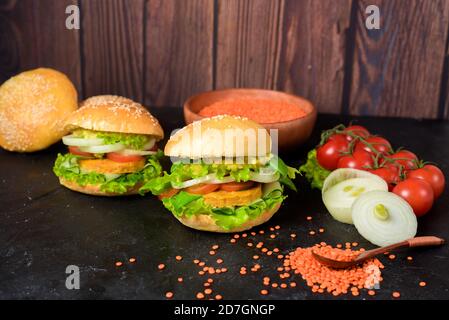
x=290 y=133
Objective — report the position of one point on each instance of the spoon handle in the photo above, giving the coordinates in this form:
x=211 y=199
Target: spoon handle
x=413 y=242
x=425 y=241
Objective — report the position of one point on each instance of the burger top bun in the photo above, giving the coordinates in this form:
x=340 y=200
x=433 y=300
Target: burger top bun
x=114 y=114
x=33 y=108
x=220 y=136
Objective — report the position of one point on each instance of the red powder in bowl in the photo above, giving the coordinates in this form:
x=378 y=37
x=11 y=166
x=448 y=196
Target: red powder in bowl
x=259 y=110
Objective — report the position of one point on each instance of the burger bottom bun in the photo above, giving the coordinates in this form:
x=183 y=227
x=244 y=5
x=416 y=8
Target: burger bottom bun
x=95 y=190
x=206 y=223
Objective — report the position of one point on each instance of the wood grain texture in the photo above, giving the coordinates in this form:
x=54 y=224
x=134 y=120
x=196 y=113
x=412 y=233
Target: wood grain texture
x=179 y=38
x=247 y=43
x=313 y=51
x=33 y=34
x=397 y=69
x=113 y=47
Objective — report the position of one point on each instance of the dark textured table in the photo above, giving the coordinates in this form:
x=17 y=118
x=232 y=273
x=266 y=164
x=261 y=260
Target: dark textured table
x=45 y=227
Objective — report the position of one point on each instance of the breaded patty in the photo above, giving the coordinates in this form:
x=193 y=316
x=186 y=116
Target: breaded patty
x=220 y=199
x=108 y=166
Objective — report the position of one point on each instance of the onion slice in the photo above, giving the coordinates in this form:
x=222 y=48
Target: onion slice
x=72 y=140
x=265 y=178
x=195 y=181
x=105 y=148
x=150 y=144
x=132 y=152
x=384 y=218
x=343 y=186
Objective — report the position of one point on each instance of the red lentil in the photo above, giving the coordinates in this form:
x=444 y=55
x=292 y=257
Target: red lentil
x=180 y=279
x=161 y=266
x=422 y=284
x=219 y=261
x=179 y=258
x=200 y=295
x=396 y=294
x=259 y=110
x=132 y=260
x=334 y=281
x=218 y=297
x=118 y=264
x=169 y=295
x=264 y=291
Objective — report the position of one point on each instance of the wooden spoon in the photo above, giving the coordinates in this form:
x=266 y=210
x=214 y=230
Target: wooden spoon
x=414 y=242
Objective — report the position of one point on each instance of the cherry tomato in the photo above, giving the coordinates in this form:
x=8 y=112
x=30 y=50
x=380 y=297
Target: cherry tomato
x=202 y=188
x=433 y=175
x=418 y=193
x=76 y=151
x=407 y=159
x=168 y=194
x=390 y=175
x=378 y=143
x=117 y=157
x=329 y=153
x=356 y=130
x=236 y=186
x=360 y=159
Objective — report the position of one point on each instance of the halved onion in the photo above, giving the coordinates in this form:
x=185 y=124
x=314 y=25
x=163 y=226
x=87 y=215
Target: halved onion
x=132 y=152
x=384 y=218
x=105 y=148
x=72 y=140
x=343 y=186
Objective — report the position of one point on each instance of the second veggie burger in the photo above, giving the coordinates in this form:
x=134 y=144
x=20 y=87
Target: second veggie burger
x=112 y=147
x=224 y=177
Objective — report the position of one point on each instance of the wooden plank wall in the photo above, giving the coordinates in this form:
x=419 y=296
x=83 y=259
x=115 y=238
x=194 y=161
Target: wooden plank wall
x=160 y=52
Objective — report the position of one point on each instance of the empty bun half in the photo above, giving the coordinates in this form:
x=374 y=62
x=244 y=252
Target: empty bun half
x=33 y=108
x=220 y=136
x=115 y=114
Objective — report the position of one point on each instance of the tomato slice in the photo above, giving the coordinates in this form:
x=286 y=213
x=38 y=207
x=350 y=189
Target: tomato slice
x=117 y=157
x=236 y=186
x=168 y=194
x=202 y=188
x=76 y=151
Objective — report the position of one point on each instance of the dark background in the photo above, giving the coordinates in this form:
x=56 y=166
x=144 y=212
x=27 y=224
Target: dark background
x=160 y=52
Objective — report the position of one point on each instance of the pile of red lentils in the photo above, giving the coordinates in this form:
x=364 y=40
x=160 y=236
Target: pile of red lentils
x=298 y=264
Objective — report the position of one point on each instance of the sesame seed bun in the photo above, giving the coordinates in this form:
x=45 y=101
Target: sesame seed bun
x=206 y=223
x=200 y=139
x=114 y=114
x=95 y=189
x=33 y=108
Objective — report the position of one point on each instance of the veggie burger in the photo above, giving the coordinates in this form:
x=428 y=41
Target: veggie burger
x=112 y=147
x=224 y=177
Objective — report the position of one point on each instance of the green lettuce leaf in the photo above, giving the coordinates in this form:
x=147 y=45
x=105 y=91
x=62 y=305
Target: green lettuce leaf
x=133 y=141
x=181 y=172
x=313 y=171
x=66 y=166
x=287 y=173
x=186 y=204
